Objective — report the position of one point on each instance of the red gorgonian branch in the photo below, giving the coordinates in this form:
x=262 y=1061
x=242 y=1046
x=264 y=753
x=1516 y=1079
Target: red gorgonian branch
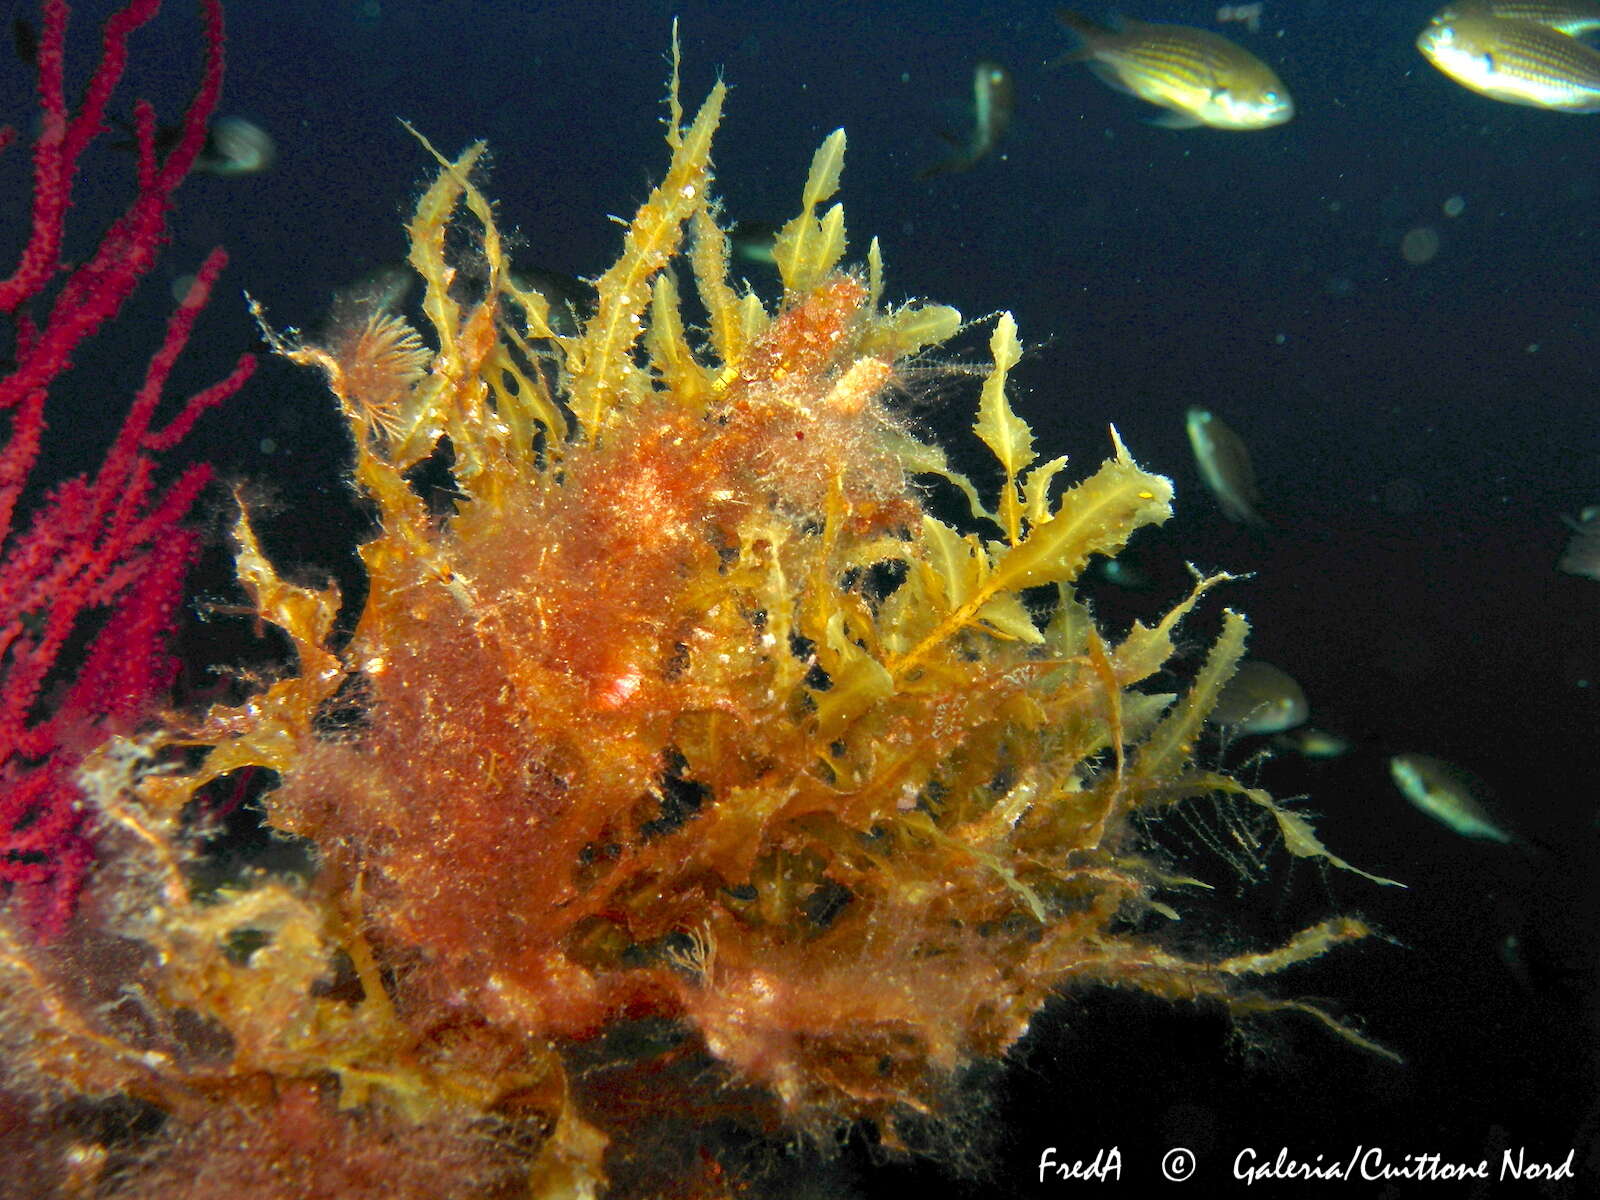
x=108 y=547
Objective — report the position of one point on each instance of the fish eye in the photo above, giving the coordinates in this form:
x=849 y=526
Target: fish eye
x=1270 y=97
x=1488 y=63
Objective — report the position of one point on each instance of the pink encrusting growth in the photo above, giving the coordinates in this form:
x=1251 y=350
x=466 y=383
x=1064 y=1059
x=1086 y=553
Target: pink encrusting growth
x=108 y=543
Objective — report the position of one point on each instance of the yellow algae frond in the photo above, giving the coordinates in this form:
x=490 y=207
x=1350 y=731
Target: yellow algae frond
x=602 y=371
x=807 y=248
x=687 y=758
x=1006 y=434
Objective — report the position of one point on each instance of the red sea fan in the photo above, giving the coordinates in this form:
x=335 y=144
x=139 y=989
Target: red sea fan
x=110 y=543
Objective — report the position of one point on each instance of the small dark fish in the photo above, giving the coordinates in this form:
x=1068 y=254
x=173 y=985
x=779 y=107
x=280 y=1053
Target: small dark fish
x=233 y=146
x=1309 y=742
x=25 y=41
x=1544 y=958
x=1582 y=555
x=1122 y=571
x=385 y=288
x=1260 y=698
x=994 y=100
x=753 y=241
x=571 y=299
x=1449 y=795
x=1224 y=463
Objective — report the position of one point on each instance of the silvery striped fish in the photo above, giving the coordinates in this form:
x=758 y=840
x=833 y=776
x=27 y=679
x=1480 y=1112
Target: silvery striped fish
x=1200 y=77
x=1519 y=62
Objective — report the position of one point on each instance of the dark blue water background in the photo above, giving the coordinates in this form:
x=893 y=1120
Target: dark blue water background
x=1417 y=430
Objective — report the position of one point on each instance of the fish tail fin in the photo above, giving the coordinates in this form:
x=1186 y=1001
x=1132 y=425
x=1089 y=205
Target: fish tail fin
x=1534 y=849
x=1087 y=32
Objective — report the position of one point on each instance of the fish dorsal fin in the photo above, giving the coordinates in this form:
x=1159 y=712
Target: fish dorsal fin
x=1128 y=25
x=1088 y=32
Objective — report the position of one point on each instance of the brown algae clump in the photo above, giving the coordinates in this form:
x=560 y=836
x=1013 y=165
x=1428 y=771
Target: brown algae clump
x=696 y=771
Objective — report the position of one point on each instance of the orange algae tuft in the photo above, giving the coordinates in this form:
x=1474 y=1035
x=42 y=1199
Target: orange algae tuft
x=688 y=768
